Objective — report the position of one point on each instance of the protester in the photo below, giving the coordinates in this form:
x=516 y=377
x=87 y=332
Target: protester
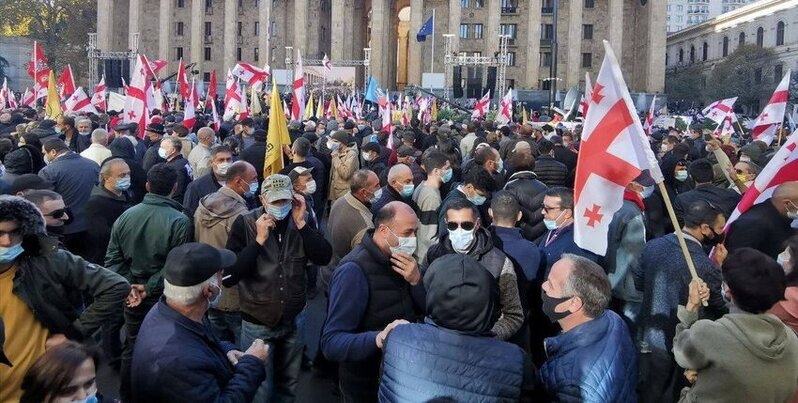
x=593 y=360
x=55 y=212
x=140 y=241
x=558 y=216
x=375 y=288
x=767 y=225
x=524 y=185
x=42 y=288
x=702 y=174
x=98 y=150
x=787 y=309
x=475 y=188
x=221 y=159
x=65 y=373
x=548 y=170
x=350 y=216
x=200 y=156
x=373 y=161
x=181 y=133
x=407 y=155
x=171 y=151
x=400 y=187
x=192 y=364
x=138 y=178
x=427 y=197
x=302 y=156
x=65 y=127
x=129 y=132
x=344 y=163
x=29 y=182
x=154 y=134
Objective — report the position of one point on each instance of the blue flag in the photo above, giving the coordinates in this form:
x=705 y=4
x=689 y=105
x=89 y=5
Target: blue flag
x=427 y=29
x=371 y=90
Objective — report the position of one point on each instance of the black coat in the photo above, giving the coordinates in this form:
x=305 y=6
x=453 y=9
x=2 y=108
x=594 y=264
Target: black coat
x=389 y=194
x=725 y=199
x=256 y=155
x=102 y=210
x=138 y=177
x=151 y=157
x=196 y=190
x=529 y=192
x=550 y=171
x=763 y=228
x=183 y=169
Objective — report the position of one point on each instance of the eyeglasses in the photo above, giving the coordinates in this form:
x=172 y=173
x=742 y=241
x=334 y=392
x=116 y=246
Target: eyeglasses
x=58 y=213
x=466 y=225
x=547 y=209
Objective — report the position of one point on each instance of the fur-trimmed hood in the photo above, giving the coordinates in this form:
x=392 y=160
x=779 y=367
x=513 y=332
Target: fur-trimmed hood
x=30 y=219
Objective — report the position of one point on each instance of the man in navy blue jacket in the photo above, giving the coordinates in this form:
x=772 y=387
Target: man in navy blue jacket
x=177 y=357
x=558 y=216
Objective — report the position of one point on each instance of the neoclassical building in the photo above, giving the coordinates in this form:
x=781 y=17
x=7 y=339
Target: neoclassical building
x=217 y=34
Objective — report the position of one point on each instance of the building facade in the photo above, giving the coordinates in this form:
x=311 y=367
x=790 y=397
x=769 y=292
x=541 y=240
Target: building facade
x=16 y=51
x=218 y=34
x=767 y=23
x=686 y=13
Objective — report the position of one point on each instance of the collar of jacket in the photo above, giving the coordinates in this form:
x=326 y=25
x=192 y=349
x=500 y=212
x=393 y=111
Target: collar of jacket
x=583 y=335
x=158 y=200
x=513 y=233
x=200 y=329
x=69 y=155
x=396 y=196
x=522 y=175
x=357 y=204
x=373 y=250
x=101 y=191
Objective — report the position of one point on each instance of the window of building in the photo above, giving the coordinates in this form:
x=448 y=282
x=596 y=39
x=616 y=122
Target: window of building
x=273 y=30
x=546 y=31
x=545 y=59
x=240 y=30
x=587 y=31
x=758 y=75
x=238 y=54
x=510 y=83
x=207 y=28
x=780 y=33
x=477 y=31
x=464 y=3
x=741 y=39
x=692 y=54
x=179 y=29
x=705 y=52
x=206 y=76
x=587 y=60
x=207 y=54
x=208 y=6
x=181 y=3
x=590 y=4
x=256 y=54
x=509 y=6
x=511 y=58
x=178 y=53
x=477 y=3
x=760 y=37
x=725 y=46
x=257 y=3
x=681 y=55
x=257 y=28
x=508 y=29
x=778 y=72
x=464 y=31
x=547 y=6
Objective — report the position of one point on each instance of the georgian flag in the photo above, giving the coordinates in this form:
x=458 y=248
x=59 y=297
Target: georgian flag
x=481 y=107
x=232 y=99
x=772 y=116
x=254 y=76
x=98 y=98
x=79 y=102
x=585 y=103
x=298 y=102
x=505 y=115
x=136 y=99
x=189 y=117
x=211 y=97
x=66 y=83
x=39 y=71
x=719 y=110
x=28 y=98
x=327 y=65
x=182 y=80
x=650 y=118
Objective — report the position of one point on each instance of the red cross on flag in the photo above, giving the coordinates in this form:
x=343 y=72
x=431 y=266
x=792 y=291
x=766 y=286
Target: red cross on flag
x=136 y=99
x=614 y=151
x=505 y=115
x=649 y=124
x=772 y=116
x=254 y=76
x=481 y=107
x=719 y=110
x=189 y=118
x=298 y=102
x=98 y=98
x=232 y=100
x=79 y=102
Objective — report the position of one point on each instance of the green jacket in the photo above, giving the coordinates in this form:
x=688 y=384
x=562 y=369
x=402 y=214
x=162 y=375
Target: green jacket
x=142 y=238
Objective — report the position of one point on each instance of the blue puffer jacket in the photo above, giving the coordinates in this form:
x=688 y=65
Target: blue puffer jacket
x=424 y=362
x=593 y=362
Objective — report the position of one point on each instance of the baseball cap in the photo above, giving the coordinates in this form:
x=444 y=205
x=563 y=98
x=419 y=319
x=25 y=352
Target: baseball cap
x=343 y=137
x=298 y=171
x=192 y=263
x=277 y=187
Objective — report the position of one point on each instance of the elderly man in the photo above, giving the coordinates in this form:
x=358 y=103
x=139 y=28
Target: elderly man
x=350 y=216
x=108 y=200
x=154 y=133
x=200 y=156
x=191 y=364
x=220 y=162
x=171 y=151
x=43 y=289
x=400 y=188
x=98 y=150
x=593 y=359
x=84 y=126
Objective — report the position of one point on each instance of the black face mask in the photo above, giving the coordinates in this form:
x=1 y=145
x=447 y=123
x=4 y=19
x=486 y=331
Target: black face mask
x=549 y=303
x=55 y=230
x=716 y=239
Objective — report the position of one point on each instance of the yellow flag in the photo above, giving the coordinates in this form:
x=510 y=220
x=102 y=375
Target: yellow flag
x=320 y=108
x=277 y=136
x=434 y=111
x=524 y=116
x=309 y=108
x=53 y=105
x=333 y=108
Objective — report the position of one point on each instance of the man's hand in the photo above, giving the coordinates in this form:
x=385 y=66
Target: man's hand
x=698 y=294
x=264 y=226
x=713 y=145
x=405 y=265
x=259 y=350
x=720 y=254
x=233 y=356
x=384 y=333
x=298 y=211
x=137 y=294
x=54 y=340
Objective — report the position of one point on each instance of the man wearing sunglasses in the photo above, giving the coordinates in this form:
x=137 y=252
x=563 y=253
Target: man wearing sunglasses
x=52 y=206
x=475 y=188
x=464 y=236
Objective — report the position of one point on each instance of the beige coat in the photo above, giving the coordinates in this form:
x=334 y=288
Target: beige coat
x=344 y=166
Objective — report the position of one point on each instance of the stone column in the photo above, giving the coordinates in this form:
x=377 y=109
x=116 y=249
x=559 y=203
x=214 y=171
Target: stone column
x=491 y=33
x=197 y=16
x=134 y=21
x=349 y=29
x=337 y=28
x=454 y=23
x=654 y=78
x=264 y=39
x=105 y=23
x=573 y=57
x=380 y=26
x=416 y=48
x=230 y=33
x=532 y=69
x=300 y=23
x=615 y=29
x=164 y=28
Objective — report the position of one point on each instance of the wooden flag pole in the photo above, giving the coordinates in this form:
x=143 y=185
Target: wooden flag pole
x=679 y=234
x=781 y=134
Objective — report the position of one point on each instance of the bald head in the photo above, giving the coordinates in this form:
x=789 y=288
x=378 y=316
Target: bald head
x=241 y=169
x=785 y=197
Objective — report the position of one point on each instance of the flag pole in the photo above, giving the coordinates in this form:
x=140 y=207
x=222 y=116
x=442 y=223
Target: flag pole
x=781 y=133
x=432 y=55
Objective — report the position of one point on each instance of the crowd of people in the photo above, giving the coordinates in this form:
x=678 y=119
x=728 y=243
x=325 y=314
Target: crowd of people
x=444 y=264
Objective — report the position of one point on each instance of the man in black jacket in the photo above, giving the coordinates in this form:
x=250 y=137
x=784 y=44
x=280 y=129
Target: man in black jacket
x=399 y=188
x=529 y=191
x=274 y=243
x=221 y=159
x=255 y=154
x=171 y=150
x=701 y=172
x=550 y=171
x=154 y=133
x=767 y=225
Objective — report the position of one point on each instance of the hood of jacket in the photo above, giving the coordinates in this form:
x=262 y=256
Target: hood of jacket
x=764 y=335
x=29 y=218
x=220 y=206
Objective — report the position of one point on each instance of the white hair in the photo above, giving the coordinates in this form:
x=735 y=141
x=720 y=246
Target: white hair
x=186 y=295
x=99 y=136
x=397 y=170
x=82 y=121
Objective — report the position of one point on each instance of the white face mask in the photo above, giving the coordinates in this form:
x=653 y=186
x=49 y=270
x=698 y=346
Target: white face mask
x=405 y=245
x=783 y=259
x=461 y=240
x=310 y=187
x=222 y=168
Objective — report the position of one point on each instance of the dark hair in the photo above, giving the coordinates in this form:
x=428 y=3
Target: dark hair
x=483 y=155
x=232 y=143
x=522 y=162
x=50 y=375
x=301 y=146
x=162 y=179
x=236 y=170
x=434 y=160
x=756 y=281
x=701 y=212
x=792 y=244
x=481 y=179
x=371 y=146
x=545 y=147
x=221 y=148
x=55 y=144
x=505 y=207
x=701 y=171
x=39 y=196
x=68 y=120
x=566 y=196
x=462 y=204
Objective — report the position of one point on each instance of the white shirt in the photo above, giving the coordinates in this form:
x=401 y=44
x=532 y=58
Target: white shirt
x=97 y=153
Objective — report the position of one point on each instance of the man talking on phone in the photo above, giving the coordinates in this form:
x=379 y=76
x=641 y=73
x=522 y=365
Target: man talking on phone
x=273 y=244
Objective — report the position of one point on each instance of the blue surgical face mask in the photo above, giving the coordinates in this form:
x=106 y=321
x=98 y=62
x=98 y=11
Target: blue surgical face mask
x=253 y=188
x=407 y=190
x=279 y=212
x=500 y=165
x=477 y=199
x=10 y=253
x=461 y=239
x=647 y=191
x=551 y=225
x=447 y=176
x=681 y=176
x=122 y=184
x=92 y=398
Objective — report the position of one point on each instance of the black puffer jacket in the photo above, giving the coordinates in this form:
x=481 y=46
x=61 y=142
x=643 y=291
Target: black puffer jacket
x=550 y=171
x=529 y=192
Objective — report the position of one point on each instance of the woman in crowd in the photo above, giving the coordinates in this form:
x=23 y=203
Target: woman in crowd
x=65 y=373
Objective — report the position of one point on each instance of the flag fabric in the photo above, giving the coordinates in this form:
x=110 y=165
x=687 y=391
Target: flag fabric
x=585 y=103
x=772 y=116
x=53 y=105
x=524 y=115
x=719 y=110
x=28 y=98
x=614 y=151
x=211 y=97
x=254 y=76
x=98 y=98
x=481 y=107
x=434 y=110
x=298 y=102
x=327 y=65
x=277 y=137
x=650 y=118
x=783 y=167
x=136 y=100
x=3 y=91
x=505 y=114
x=254 y=101
x=243 y=107
x=189 y=116
x=182 y=80
x=371 y=90
x=426 y=30
x=308 y=108
x=232 y=101
x=8 y=95
x=66 y=82
x=216 y=122
x=79 y=102
x=39 y=71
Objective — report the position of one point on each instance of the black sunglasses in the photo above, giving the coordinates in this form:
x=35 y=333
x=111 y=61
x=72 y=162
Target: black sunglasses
x=466 y=225
x=58 y=213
